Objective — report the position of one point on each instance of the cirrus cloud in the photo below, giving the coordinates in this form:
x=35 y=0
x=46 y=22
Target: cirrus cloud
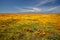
x=35 y=9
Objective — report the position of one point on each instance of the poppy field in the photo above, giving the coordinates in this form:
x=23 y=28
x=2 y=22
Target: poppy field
x=29 y=26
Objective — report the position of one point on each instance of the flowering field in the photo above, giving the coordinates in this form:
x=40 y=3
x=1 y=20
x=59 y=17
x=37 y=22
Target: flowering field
x=29 y=26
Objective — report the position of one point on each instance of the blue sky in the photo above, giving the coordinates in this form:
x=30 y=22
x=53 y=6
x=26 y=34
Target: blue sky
x=36 y=6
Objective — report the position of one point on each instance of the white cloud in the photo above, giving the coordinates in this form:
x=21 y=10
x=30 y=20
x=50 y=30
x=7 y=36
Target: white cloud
x=44 y=2
x=36 y=9
x=53 y=8
x=50 y=9
x=27 y=11
x=31 y=10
